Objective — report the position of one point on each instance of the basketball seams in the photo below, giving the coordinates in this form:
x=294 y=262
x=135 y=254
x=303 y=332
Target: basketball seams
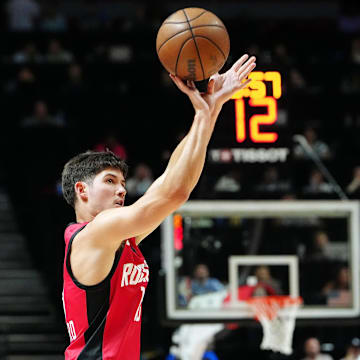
x=171 y=37
x=186 y=21
x=202 y=25
x=182 y=31
x=213 y=42
x=196 y=46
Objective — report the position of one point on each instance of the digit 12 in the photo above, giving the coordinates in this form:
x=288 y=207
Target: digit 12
x=256 y=120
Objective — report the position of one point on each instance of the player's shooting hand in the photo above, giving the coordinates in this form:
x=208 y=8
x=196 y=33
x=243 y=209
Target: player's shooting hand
x=222 y=86
x=196 y=98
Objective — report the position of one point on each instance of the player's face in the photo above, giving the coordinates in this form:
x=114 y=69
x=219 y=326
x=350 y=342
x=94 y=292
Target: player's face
x=107 y=191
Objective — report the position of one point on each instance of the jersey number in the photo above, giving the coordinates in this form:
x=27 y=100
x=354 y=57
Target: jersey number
x=71 y=330
x=138 y=311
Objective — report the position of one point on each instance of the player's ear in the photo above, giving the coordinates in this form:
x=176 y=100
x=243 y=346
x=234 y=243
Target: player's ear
x=81 y=190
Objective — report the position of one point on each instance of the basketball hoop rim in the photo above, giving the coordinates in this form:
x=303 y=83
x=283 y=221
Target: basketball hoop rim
x=281 y=300
x=269 y=306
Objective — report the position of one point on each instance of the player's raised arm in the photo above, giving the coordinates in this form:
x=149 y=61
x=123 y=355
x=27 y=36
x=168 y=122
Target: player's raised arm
x=112 y=226
x=220 y=90
x=174 y=187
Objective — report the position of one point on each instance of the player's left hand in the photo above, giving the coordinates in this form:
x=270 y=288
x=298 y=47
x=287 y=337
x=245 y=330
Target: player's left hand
x=196 y=98
x=221 y=87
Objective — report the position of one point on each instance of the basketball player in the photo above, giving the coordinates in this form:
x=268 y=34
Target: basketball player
x=105 y=274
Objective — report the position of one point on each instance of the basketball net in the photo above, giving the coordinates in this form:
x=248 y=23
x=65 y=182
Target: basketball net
x=277 y=315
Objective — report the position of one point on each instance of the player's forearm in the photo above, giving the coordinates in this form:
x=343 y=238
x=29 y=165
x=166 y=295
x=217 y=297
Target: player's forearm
x=173 y=159
x=185 y=167
x=176 y=154
x=180 y=147
x=216 y=111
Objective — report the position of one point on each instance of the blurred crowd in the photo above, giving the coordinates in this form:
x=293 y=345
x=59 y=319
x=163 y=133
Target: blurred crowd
x=60 y=78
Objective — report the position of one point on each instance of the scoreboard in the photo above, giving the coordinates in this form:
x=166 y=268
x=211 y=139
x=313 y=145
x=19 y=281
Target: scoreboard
x=249 y=130
x=256 y=93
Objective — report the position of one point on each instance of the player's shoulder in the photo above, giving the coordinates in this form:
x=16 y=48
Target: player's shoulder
x=94 y=235
x=73 y=228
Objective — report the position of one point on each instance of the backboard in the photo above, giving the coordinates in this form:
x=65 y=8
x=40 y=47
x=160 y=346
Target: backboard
x=255 y=248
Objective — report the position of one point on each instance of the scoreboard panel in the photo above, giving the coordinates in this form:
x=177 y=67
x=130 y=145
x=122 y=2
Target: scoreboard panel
x=249 y=130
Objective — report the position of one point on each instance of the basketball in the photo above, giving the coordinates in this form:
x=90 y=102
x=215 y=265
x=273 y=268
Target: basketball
x=193 y=44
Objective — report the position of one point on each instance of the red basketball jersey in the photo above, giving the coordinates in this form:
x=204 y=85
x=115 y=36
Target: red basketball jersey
x=104 y=320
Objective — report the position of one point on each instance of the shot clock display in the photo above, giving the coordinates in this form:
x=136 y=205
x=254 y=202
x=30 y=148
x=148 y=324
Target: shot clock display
x=249 y=132
x=257 y=94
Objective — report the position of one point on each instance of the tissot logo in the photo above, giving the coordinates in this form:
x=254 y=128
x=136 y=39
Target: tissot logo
x=251 y=155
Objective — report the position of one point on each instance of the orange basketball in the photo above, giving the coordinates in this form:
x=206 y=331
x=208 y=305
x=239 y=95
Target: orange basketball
x=193 y=44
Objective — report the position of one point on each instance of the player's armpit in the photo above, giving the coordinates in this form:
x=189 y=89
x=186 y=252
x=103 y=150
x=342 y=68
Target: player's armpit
x=141 y=237
x=112 y=226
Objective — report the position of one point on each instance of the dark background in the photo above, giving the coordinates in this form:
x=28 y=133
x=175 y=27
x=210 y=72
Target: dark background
x=132 y=98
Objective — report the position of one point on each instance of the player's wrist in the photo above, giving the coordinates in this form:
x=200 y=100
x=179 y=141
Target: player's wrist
x=216 y=109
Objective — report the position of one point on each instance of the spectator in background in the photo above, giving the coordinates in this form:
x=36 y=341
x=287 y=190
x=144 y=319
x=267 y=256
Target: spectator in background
x=57 y=54
x=75 y=87
x=254 y=49
x=296 y=80
x=353 y=188
x=120 y=53
x=53 y=20
x=317 y=185
x=264 y=56
x=318 y=146
x=184 y=290
x=320 y=247
x=281 y=56
x=271 y=182
x=75 y=94
x=337 y=290
x=266 y=283
x=75 y=80
x=202 y=283
x=98 y=53
x=41 y=118
x=22 y=14
x=135 y=22
x=110 y=142
x=295 y=221
x=22 y=92
x=28 y=55
x=167 y=150
x=350 y=82
x=312 y=350
x=23 y=84
x=141 y=180
x=165 y=156
x=229 y=182
x=199 y=284
x=355 y=51
x=353 y=350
